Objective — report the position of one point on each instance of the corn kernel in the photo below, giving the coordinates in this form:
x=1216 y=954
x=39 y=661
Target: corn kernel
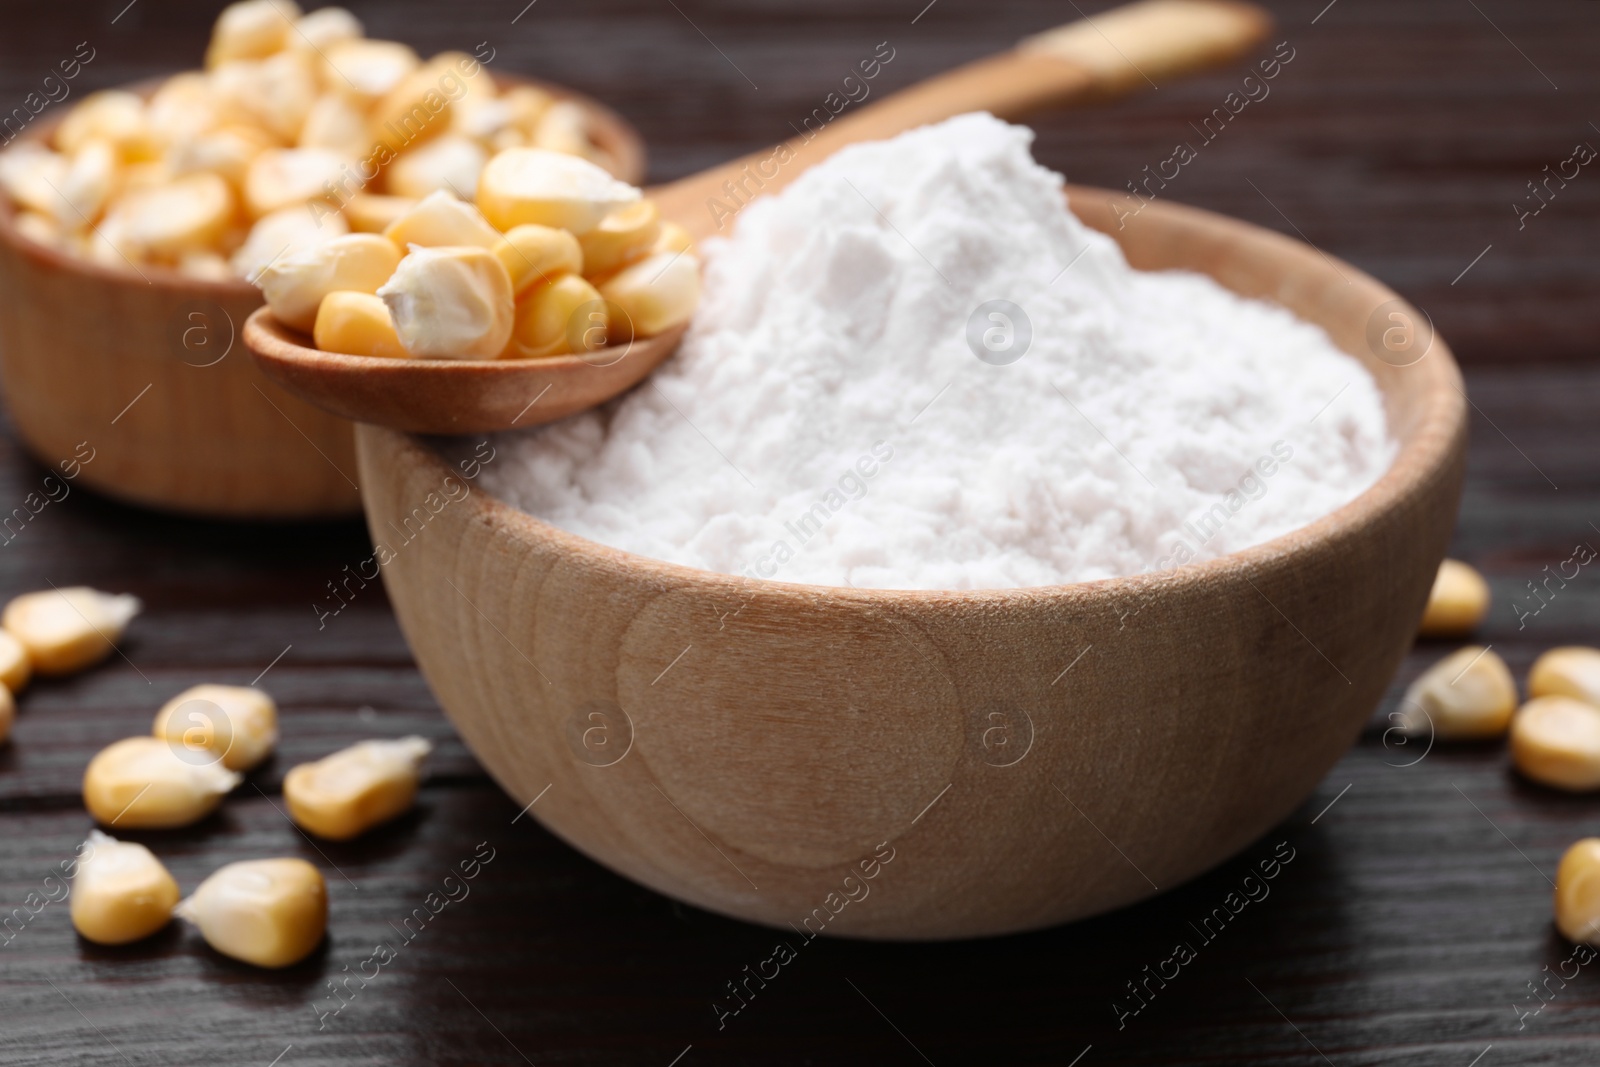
x=15 y=668
x=232 y=724
x=418 y=109
x=533 y=255
x=144 y=782
x=226 y=151
x=375 y=212
x=147 y=175
x=1572 y=671
x=295 y=285
x=282 y=177
x=557 y=318
x=449 y=161
x=168 y=220
x=88 y=183
x=624 y=236
x=271 y=913
x=356 y=788
x=1577 y=897
x=357 y=324
x=40 y=229
x=1467 y=695
x=285 y=232
x=563 y=128
x=112 y=115
x=367 y=71
x=535 y=185
x=184 y=106
x=673 y=238
x=336 y=124
x=324 y=28
x=32 y=177
x=1458 y=602
x=120 y=892
x=653 y=295
x=440 y=219
x=482 y=117
x=109 y=244
x=1556 y=741
x=66 y=630
x=250 y=30
x=275 y=93
x=205 y=266
x=451 y=303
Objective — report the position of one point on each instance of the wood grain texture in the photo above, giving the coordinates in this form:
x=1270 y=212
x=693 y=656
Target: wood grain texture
x=1404 y=932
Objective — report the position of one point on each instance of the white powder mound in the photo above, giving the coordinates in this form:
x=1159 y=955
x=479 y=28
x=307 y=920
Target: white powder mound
x=826 y=420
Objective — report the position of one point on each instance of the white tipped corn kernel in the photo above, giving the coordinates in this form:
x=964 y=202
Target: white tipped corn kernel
x=285 y=232
x=367 y=71
x=271 y=913
x=87 y=185
x=557 y=318
x=375 y=212
x=1556 y=742
x=563 y=128
x=324 y=28
x=653 y=295
x=295 y=285
x=357 y=324
x=15 y=668
x=226 y=151
x=1467 y=695
x=673 y=238
x=148 y=783
x=168 y=220
x=251 y=29
x=626 y=235
x=419 y=108
x=282 y=177
x=451 y=303
x=32 y=177
x=40 y=229
x=450 y=161
x=1577 y=897
x=356 y=788
x=528 y=103
x=1458 y=602
x=205 y=266
x=275 y=93
x=533 y=255
x=535 y=185
x=121 y=892
x=184 y=106
x=336 y=124
x=440 y=219
x=1572 y=671
x=66 y=630
x=112 y=115
x=235 y=725
x=482 y=118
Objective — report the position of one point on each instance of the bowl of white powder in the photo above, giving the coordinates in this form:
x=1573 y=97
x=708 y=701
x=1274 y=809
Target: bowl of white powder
x=976 y=565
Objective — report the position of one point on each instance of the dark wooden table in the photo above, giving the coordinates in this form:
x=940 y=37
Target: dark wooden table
x=1411 y=926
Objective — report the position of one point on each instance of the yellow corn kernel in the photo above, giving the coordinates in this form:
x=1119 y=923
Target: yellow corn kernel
x=439 y=219
x=336 y=124
x=184 y=106
x=90 y=179
x=453 y=302
x=251 y=29
x=357 y=324
x=482 y=118
x=367 y=71
x=120 y=892
x=146 y=175
x=533 y=255
x=557 y=318
x=653 y=295
x=282 y=177
x=1467 y=695
x=66 y=630
x=323 y=28
x=356 y=788
x=109 y=245
x=285 y=232
x=40 y=229
x=1572 y=671
x=271 y=913
x=147 y=783
x=626 y=235
x=563 y=128
x=527 y=105
x=235 y=725
x=275 y=93
x=1577 y=898
x=295 y=285
x=448 y=162
x=419 y=108
x=673 y=238
x=545 y=188
x=188 y=215
x=32 y=176
x=112 y=115
x=226 y=151
x=1458 y=602
x=205 y=266
x=15 y=668
x=1556 y=741
x=375 y=212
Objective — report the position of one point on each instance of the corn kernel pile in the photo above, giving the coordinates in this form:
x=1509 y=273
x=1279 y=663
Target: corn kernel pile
x=299 y=130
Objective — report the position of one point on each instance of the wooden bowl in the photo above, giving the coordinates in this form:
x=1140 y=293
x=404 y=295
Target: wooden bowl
x=896 y=764
x=150 y=373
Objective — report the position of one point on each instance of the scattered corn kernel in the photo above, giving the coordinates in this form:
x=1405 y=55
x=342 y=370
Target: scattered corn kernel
x=418 y=108
x=275 y=93
x=356 y=788
x=449 y=161
x=146 y=783
x=295 y=285
x=234 y=724
x=280 y=177
x=271 y=913
x=336 y=124
x=533 y=255
x=324 y=28
x=169 y=220
x=653 y=295
x=1577 y=897
x=624 y=236
x=250 y=30
x=90 y=179
x=112 y=115
x=557 y=318
x=181 y=107
x=357 y=324
x=1467 y=695
x=282 y=233
x=15 y=670
x=536 y=185
x=226 y=151
x=375 y=212
x=1555 y=741
x=1458 y=602
x=451 y=303
x=66 y=630
x=121 y=892
x=440 y=219
x=367 y=71
x=1572 y=671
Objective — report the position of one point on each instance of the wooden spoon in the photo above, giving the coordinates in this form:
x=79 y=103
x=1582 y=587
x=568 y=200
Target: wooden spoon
x=1096 y=58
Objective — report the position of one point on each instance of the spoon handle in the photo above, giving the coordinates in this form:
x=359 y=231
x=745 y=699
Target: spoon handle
x=1119 y=51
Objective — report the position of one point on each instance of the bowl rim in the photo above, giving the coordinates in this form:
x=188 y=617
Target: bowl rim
x=1433 y=442
x=619 y=137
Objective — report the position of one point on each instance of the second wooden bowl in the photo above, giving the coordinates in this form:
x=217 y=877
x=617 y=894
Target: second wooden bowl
x=897 y=764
